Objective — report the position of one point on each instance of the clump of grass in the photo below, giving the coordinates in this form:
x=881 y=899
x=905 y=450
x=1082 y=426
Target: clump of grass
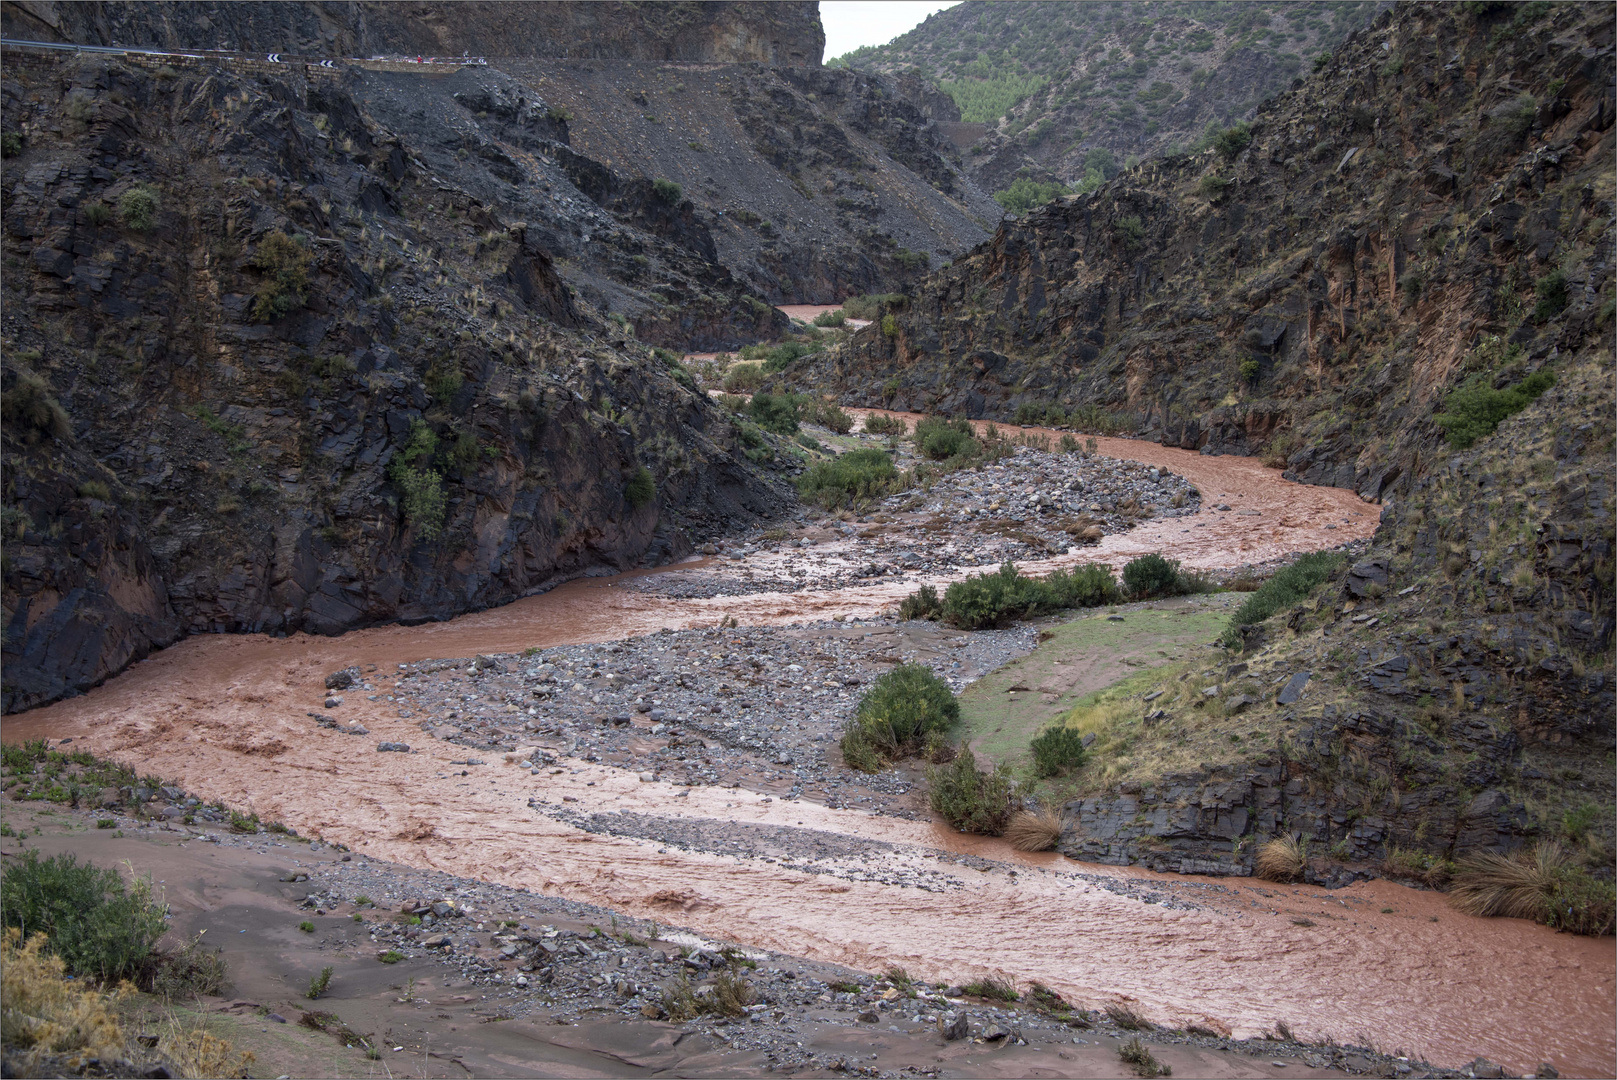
x=1057 y=750
x=392 y=956
x=1037 y=830
x=998 y=598
x=318 y=984
x=1281 y=859
x=898 y=977
x=1134 y=1053
x=882 y=424
x=97 y=925
x=728 y=995
x=923 y=603
x=641 y=488
x=858 y=475
x=1127 y=1019
x=306 y=926
x=896 y=715
x=992 y=988
x=971 y=801
x=41 y=1010
x=1543 y=885
x=1289 y=585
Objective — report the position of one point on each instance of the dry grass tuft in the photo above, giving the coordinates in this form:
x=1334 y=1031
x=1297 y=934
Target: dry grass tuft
x=41 y=1010
x=1282 y=859
x=1145 y=1064
x=1127 y=1019
x=1490 y=884
x=1038 y=830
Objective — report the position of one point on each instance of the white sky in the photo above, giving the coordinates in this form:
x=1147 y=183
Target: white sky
x=850 y=24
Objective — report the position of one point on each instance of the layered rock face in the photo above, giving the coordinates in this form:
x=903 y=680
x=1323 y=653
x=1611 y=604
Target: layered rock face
x=784 y=34
x=286 y=355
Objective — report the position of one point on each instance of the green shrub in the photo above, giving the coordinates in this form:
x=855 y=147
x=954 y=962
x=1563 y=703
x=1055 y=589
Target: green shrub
x=668 y=191
x=743 y=378
x=641 y=488
x=306 y=926
x=1057 y=750
x=941 y=439
x=1233 y=139
x=188 y=970
x=319 y=983
x=1132 y=229
x=772 y=412
x=847 y=478
x=889 y=326
x=1213 y=187
x=873 y=305
x=95 y=489
x=830 y=318
x=29 y=410
x=1251 y=370
x=137 y=207
x=392 y=956
x=421 y=485
x=882 y=424
x=1552 y=296
x=11 y=144
x=285 y=287
x=1025 y=193
x=896 y=715
x=98 y=214
x=1151 y=575
x=923 y=603
x=1476 y=409
x=1289 y=585
x=971 y=801
x=827 y=414
x=1000 y=597
x=97 y=925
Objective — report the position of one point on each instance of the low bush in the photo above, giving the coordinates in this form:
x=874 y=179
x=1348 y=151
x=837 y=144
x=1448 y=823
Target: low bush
x=743 y=378
x=640 y=489
x=971 y=801
x=1289 y=585
x=1282 y=859
x=30 y=410
x=941 y=439
x=137 y=207
x=1552 y=296
x=668 y=191
x=1477 y=409
x=318 y=984
x=728 y=995
x=187 y=971
x=827 y=414
x=774 y=412
x=889 y=326
x=1038 y=830
x=1152 y=575
x=1057 y=750
x=992 y=988
x=1144 y=1063
x=1001 y=597
x=923 y=603
x=423 y=503
x=1232 y=140
x=850 y=477
x=1212 y=187
x=882 y=424
x=873 y=305
x=830 y=318
x=285 y=287
x=896 y=715
x=97 y=925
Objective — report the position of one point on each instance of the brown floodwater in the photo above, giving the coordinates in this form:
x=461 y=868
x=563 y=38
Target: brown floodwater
x=226 y=717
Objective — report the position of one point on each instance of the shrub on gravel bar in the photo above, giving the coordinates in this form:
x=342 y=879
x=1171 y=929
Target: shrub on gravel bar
x=971 y=801
x=882 y=424
x=847 y=478
x=96 y=924
x=896 y=715
x=1000 y=597
x=940 y=439
x=1287 y=586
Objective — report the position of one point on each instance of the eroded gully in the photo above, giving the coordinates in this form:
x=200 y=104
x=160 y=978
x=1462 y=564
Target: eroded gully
x=227 y=717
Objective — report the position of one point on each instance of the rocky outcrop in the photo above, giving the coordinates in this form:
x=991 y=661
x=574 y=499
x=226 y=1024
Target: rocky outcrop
x=285 y=355
x=786 y=34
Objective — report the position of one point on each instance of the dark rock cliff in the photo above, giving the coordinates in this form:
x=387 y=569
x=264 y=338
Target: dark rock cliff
x=785 y=34
x=305 y=355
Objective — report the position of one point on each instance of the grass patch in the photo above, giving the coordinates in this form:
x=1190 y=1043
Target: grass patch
x=897 y=715
x=1038 y=830
x=1543 y=885
x=1144 y=1063
x=1288 y=586
x=882 y=424
x=392 y=956
x=856 y=476
x=972 y=801
x=640 y=489
x=992 y=988
x=1282 y=859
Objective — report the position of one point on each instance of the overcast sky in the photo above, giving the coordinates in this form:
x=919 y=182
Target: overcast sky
x=850 y=24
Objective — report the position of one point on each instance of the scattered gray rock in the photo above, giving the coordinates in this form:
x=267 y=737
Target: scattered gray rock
x=395 y=747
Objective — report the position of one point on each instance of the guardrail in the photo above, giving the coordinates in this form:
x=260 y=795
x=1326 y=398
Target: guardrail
x=227 y=54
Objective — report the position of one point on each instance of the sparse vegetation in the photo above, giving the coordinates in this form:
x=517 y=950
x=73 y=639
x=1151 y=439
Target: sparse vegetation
x=30 y=410
x=420 y=484
x=1024 y=194
x=743 y=378
x=992 y=988
x=896 y=715
x=1144 y=1063
x=882 y=424
x=318 y=984
x=668 y=191
x=285 y=287
x=1001 y=597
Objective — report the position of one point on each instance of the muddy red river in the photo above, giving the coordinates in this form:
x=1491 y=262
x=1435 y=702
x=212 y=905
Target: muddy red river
x=227 y=717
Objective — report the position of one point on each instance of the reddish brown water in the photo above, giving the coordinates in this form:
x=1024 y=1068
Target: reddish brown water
x=225 y=716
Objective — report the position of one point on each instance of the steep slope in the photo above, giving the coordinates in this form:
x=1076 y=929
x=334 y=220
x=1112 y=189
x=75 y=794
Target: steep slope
x=286 y=355
x=1424 y=225
x=1054 y=82
x=784 y=34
